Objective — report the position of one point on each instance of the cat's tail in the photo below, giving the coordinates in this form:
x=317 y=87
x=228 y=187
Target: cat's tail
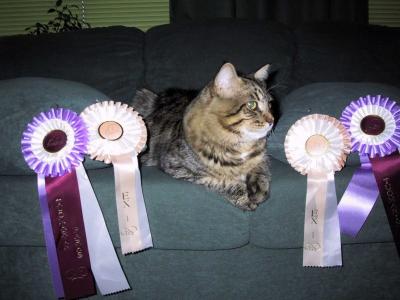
x=144 y=102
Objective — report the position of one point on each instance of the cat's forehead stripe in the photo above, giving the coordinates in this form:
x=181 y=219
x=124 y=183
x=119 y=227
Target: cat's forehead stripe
x=256 y=96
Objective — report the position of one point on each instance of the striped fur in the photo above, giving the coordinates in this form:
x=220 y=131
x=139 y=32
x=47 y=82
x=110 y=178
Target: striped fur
x=212 y=138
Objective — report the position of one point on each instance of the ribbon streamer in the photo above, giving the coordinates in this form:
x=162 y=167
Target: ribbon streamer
x=49 y=239
x=317 y=146
x=116 y=135
x=69 y=233
x=387 y=174
x=358 y=199
x=134 y=228
x=332 y=229
x=321 y=223
x=104 y=261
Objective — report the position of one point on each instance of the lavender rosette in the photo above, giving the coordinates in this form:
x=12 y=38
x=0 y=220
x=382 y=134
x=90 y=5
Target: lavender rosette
x=373 y=123
x=53 y=145
x=54 y=142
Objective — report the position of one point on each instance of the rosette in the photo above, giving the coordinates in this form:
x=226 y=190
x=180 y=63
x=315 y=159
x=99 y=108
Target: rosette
x=53 y=145
x=116 y=135
x=374 y=126
x=317 y=146
x=54 y=142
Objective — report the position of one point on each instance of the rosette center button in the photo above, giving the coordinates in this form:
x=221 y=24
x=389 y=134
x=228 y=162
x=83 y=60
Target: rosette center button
x=110 y=130
x=54 y=141
x=316 y=145
x=372 y=125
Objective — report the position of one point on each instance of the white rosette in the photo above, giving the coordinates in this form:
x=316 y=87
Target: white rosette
x=317 y=146
x=116 y=135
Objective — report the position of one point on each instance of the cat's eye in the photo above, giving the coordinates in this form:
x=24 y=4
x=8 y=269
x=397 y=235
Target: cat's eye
x=252 y=105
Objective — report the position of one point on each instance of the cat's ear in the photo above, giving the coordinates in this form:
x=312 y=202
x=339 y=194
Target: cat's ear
x=263 y=73
x=227 y=81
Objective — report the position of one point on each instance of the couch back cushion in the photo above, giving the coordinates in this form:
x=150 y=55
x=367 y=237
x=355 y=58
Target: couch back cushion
x=322 y=98
x=108 y=59
x=189 y=55
x=23 y=98
x=346 y=52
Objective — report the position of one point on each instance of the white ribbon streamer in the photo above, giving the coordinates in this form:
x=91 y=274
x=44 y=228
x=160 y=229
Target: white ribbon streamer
x=321 y=222
x=106 y=267
x=133 y=223
x=332 y=241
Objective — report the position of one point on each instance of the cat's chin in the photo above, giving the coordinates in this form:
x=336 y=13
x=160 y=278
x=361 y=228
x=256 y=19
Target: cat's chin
x=256 y=134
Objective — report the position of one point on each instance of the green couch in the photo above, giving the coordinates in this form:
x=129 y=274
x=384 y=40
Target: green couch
x=204 y=248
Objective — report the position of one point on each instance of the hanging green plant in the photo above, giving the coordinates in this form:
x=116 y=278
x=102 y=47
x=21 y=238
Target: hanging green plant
x=65 y=19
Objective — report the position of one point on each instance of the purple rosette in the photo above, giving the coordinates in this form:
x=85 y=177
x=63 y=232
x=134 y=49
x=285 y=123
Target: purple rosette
x=53 y=145
x=374 y=126
x=54 y=142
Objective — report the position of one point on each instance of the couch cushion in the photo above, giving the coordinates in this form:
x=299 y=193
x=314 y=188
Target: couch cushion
x=189 y=55
x=109 y=59
x=323 y=98
x=182 y=215
x=279 y=223
x=346 y=52
x=23 y=98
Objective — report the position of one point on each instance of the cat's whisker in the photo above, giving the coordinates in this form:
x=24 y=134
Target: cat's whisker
x=277 y=85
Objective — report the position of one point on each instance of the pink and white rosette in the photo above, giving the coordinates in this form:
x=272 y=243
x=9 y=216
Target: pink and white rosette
x=317 y=146
x=117 y=134
x=77 y=240
x=373 y=123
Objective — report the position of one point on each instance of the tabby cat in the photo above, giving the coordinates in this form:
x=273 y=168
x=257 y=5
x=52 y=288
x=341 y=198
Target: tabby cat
x=217 y=139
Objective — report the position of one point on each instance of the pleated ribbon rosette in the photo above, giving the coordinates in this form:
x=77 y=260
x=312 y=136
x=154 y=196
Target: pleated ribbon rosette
x=373 y=123
x=317 y=146
x=77 y=241
x=116 y=135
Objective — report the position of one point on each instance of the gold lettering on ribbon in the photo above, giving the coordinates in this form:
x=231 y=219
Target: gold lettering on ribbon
x=126 y=199
x=62 y=224
x=76 y=274
x=129 y=229
x=65 y=232
x=391 y=198
x=314 y=246
x=78 y=243
x=314 y=216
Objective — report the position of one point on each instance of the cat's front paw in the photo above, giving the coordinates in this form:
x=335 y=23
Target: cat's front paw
x=239 y=197
x=257 y=188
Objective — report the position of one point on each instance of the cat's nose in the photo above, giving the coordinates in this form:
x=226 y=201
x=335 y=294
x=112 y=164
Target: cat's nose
x=268 y=118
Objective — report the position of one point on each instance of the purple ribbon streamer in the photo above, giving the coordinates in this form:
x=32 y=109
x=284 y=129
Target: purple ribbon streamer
x=358 y=199
x=66 y=217
x=387 y=173
x=49 y=239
